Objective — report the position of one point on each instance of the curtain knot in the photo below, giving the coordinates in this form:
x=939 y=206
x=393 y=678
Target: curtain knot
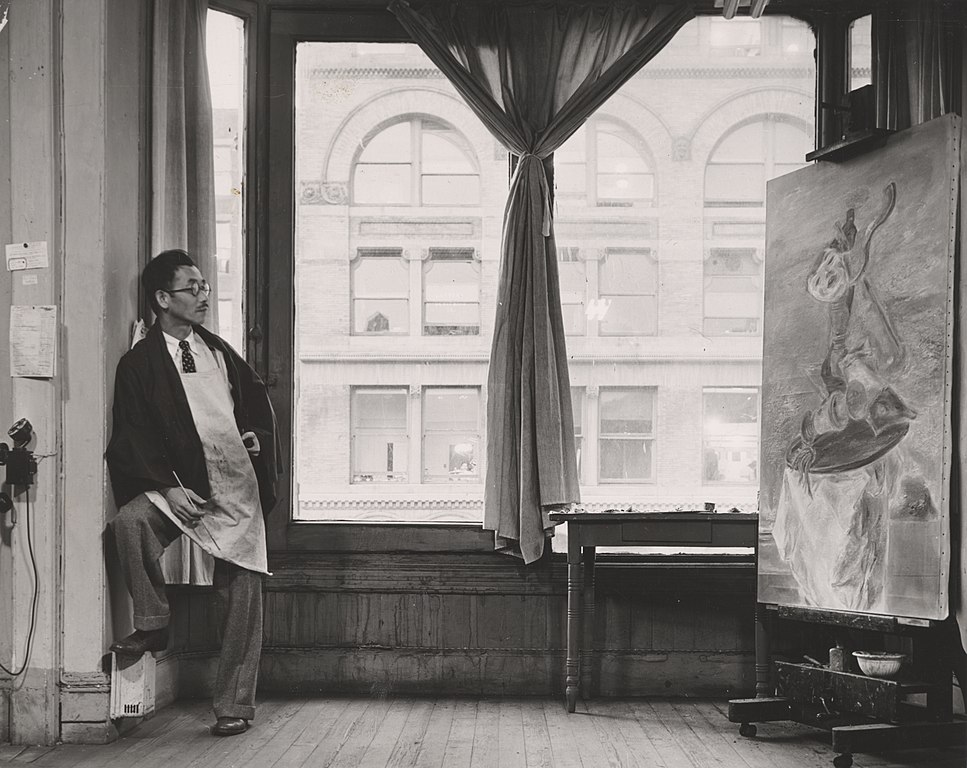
x=545 y=189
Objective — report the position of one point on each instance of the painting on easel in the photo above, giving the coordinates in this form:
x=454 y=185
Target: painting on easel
x=857 y=364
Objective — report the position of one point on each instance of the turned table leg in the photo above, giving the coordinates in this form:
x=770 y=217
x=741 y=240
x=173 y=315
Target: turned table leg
x=573 y=664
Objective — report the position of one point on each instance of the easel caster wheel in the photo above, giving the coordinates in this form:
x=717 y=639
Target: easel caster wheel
x=843 y=761
x=747 y=729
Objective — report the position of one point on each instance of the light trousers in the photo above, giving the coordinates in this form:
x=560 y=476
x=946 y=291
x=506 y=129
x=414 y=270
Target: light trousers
x=141 y=534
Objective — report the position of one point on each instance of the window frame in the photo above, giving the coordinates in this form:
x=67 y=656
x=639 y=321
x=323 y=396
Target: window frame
x=375 y=254
x=648 y=253
x=356 y=431
x=592 y=166
x=272 y=37
x=478 y=436
x=415 y=122
x=651 y=437
x=273 y=333
x=441 y=255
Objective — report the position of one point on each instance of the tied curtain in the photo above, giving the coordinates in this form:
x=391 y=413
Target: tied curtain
x=533 y=72
x=183 y=185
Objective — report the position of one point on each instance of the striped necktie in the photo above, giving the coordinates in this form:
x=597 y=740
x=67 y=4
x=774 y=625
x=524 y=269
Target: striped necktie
x=187 y=360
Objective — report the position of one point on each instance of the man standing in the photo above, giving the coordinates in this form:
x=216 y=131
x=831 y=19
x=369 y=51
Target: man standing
x=194 y=450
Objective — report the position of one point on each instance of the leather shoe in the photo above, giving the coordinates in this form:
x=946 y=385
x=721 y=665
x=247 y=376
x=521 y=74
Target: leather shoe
x=142 y=641
x=229 y=726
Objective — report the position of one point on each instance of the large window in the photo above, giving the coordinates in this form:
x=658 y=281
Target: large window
x=399 y=192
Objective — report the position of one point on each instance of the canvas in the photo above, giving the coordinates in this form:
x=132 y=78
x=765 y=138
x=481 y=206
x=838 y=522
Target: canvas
x=857 y=361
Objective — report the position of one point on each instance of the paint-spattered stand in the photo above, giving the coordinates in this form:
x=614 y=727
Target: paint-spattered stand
x=861 y=713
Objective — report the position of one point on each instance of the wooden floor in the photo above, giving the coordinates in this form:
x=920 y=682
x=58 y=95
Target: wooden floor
x=453 y=733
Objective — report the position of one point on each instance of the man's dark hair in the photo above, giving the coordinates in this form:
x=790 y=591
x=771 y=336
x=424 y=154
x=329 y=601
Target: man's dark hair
x=160 y=272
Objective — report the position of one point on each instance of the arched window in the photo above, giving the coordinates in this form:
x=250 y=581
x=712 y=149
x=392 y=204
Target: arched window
x=735 y=178
x=604 y=164
x=750 y=155
x=416 y=161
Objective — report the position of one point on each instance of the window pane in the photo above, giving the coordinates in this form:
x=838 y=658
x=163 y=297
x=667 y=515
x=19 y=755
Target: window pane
x=626 y=186
x=630 y=316
x=382 y=184
x=738 y=37
x=626 y=411
x=451 y=190
x=391 y=145
x=792 y=145
x=451 y=439
x=628 y=273
x=570 y=179
x=861 y=52
x=577 y=410
x=626 y=460
x=573 y=282
x=687 y=318
x=225 y=47
x=742 y=145
x=380 y=445
x=380 y=315
x=379 y=289
x=451 y=290
x=441 y=155
x=731 y=428
x=735 y=184
x=382 y=276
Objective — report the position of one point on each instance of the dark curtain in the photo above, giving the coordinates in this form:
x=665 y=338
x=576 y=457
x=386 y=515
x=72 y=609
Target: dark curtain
x=533 y=72
x=183 y=184
x=918 y=69
x=918 y=60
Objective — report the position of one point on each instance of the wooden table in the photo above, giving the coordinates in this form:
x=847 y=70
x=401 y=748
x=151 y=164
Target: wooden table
x=588 y=530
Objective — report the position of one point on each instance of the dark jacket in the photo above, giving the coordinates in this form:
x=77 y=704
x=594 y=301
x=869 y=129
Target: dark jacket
x=154 y=433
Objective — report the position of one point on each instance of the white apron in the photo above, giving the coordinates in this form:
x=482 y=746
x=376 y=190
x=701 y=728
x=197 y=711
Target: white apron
x=232 y=528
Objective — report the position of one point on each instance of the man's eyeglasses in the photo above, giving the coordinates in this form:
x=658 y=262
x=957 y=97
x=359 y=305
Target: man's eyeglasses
x=193 y=288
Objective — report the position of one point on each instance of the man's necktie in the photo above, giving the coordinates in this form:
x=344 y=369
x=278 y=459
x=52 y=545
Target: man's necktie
x=187 y=360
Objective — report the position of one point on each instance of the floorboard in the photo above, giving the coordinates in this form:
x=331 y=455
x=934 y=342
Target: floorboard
x=434 y=743
x=413 y=732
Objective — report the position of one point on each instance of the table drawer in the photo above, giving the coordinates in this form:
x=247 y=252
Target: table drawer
x=660 y=532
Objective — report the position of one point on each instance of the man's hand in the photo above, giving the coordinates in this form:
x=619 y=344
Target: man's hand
x=251 y=443
x=181 y=503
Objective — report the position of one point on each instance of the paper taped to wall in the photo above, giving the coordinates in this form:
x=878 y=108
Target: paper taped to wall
x=33 y=341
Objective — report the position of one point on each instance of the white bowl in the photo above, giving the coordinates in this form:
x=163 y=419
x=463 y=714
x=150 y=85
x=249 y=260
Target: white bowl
x=884 y=665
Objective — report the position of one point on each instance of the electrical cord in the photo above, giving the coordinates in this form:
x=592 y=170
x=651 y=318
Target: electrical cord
x=33 y=602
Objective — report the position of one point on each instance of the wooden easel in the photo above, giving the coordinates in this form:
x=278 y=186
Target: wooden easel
x=861 y=713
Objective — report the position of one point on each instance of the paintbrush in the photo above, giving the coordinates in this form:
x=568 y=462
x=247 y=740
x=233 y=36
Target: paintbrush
x=196 y=509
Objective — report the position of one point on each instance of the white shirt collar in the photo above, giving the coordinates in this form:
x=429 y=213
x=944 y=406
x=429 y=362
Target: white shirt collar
x=173 y=343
